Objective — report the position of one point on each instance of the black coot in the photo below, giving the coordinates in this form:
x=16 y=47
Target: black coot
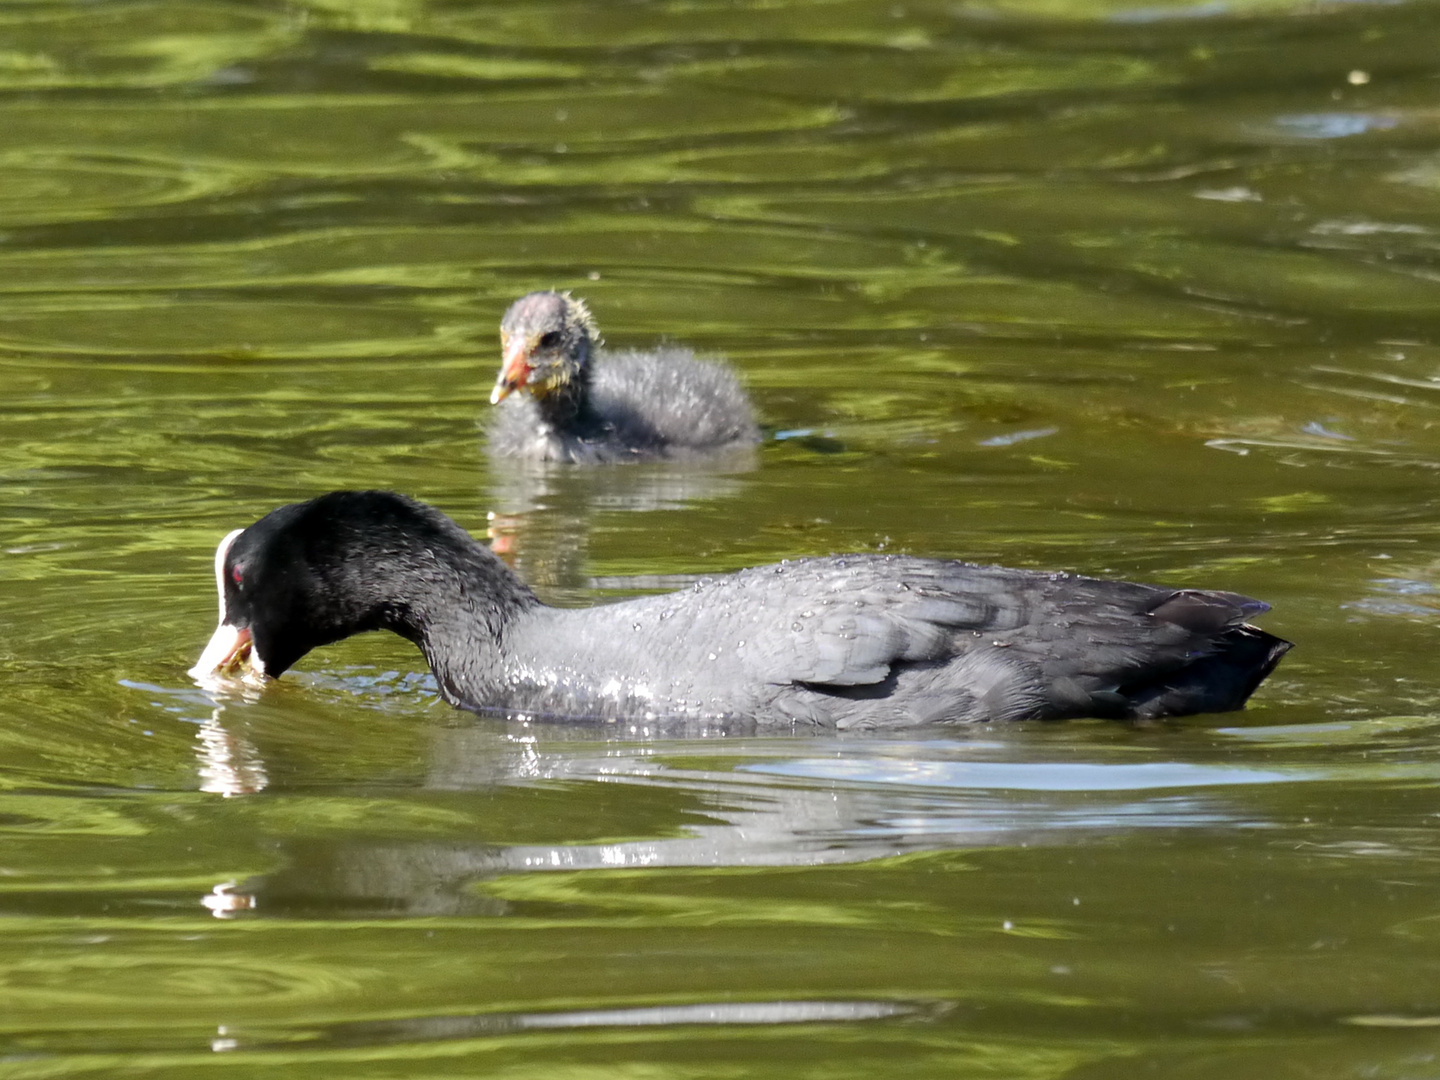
x=843 y=641
x=569 y=401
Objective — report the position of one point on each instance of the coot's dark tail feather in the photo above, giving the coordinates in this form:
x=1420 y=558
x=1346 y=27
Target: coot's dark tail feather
x=1220 y=682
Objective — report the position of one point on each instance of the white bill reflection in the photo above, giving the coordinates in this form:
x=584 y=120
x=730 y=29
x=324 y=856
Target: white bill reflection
x=229 y=764
x=225 y=903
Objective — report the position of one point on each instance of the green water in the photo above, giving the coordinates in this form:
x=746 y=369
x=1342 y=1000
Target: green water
x=1138 y=289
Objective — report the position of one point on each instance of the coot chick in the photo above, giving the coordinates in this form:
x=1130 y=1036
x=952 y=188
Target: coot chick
x=843 y=641
x=580 y=404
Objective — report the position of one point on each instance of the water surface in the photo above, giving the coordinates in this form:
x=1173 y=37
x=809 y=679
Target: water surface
x=1144 y=290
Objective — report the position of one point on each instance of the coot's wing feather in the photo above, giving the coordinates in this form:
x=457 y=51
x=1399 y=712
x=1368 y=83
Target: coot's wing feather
x=848 y=621
x=1112 y=648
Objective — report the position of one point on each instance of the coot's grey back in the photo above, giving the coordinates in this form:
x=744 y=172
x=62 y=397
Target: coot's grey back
x=890 y=641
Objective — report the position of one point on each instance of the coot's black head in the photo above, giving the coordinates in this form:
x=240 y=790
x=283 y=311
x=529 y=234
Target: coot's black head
x=311 y=573
x=545 y=340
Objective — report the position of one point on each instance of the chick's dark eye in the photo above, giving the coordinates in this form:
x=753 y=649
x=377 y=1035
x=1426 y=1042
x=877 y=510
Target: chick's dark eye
x=237 y=575
x=550 y=339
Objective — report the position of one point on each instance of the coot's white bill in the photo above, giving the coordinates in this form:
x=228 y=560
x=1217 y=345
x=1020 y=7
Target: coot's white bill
x=230 y=653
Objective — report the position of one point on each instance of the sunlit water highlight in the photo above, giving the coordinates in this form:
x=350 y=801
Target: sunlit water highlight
x=1140 y=290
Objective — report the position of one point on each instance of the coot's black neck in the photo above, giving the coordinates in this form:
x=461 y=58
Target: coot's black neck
x=460 y=618
x=423 y=577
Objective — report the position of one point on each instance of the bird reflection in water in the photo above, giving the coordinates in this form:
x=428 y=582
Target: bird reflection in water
x=225 y=903
x=544 y=514
x=450 y=1028
x=229 y=766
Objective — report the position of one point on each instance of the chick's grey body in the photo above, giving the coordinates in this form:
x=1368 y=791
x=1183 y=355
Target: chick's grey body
x=664 y=404
x=842 y=641
x=563 y=399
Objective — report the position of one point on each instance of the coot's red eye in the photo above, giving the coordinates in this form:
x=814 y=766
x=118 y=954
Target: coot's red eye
x=237 y=575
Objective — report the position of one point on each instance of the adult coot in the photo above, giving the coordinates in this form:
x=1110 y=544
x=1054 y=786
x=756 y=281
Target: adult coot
x=582 y=405
x=844 y=641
